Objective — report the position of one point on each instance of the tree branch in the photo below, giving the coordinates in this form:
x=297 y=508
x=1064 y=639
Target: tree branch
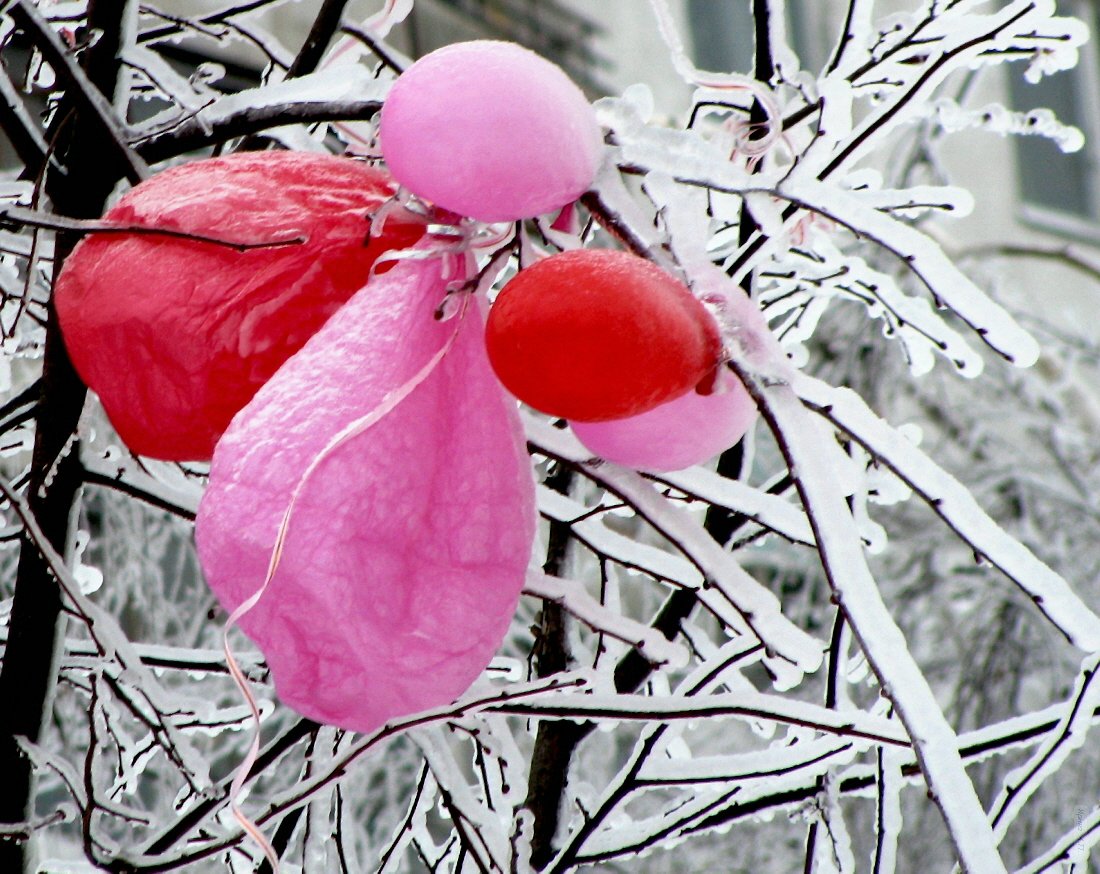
x=88 y=99
x=325 y=26
x=28 y=672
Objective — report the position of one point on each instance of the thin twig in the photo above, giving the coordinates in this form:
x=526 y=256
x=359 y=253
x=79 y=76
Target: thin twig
x=90 y=102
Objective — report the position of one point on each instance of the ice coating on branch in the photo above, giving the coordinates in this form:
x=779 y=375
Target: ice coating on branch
x=913 y=201
x=572 y=595
x=1059 y=50
x=1049 y=591
x=351 y=86
x=683 y=155
x=592 y=530
x=809 y=443
x=999 y=120
x=175 y=335
x=798 y=290
x=730 y=593
x=683 y=432
x=490 y=130
x=928 y=263
x=409 y=545
x=1073 y=728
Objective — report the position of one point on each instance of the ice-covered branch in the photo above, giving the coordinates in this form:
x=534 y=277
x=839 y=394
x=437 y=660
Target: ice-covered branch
x=772 y=708
x=1072 y=847
x=768 y=511
x=149 y=700
x=1070 y=733
x=811 y=450
x=91 y=102
x=154 y=482
x=958 y=508
x=948 y=285
x=590 y=530
x=791 y=650
x=341 y=94
x=571 y=595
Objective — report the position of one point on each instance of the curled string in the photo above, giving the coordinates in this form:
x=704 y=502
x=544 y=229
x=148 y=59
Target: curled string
x=773 y=125
x=353 y=429
x=447 y=239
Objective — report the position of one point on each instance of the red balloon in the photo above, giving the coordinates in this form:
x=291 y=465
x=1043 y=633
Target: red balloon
x=176 y=335
x=595 y=334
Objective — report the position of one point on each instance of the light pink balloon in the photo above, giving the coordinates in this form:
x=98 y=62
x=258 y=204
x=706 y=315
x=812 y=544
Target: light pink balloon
x=685 y=431
x=490 y=130
x=409 y=545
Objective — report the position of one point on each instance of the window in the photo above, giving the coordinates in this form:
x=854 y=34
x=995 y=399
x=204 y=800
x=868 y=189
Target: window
x=1058 y=190
x=722 y=33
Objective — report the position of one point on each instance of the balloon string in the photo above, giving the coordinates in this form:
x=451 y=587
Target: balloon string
x=356 y=427
x=461 y=239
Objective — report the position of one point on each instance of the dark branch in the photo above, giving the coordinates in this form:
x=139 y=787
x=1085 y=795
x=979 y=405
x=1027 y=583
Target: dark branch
x=88 y=99
x=324 y=28
x=20 y=128
x=89 y=147
x=196 y=132
x=20 y=217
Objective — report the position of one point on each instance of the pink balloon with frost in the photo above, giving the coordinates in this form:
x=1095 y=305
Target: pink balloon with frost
x=683 y=432
x=408 y=546
x=490 y=130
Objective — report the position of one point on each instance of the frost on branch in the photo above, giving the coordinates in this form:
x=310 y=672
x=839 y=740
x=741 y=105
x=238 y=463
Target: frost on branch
x=865 y=639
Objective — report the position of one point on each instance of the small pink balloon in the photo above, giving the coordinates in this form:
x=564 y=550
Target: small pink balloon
x=490 y=130
x=408 y=546
x=685 y=431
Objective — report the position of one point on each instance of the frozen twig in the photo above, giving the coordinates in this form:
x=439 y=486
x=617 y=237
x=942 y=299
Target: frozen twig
x=811 y=451
x=572 y=596
x=92 y=103
x=340 y=94
x=951 y=500
x=791 y=650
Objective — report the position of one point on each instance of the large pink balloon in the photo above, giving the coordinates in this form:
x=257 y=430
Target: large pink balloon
x=490 y=130
x=685 y=431
x=409 y=545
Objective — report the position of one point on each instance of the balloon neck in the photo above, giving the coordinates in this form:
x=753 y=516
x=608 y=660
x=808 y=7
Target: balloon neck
x=709 y=383
x=566 y=220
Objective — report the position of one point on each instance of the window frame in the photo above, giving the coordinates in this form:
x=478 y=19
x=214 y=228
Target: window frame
x=1086 y=76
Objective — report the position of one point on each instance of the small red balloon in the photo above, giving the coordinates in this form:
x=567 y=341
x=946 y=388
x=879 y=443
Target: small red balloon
x=176 y=335
x=595 y=334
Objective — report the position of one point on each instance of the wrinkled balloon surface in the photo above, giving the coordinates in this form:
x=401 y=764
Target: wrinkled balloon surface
x=176 y=335
x=595 y=334
x=490 y=130
x=408 y=548
x=680 y=433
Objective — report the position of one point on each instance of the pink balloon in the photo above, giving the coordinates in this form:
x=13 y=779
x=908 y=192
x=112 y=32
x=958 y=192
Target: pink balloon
x=490 y=130
x=409 y=544
x=685 y=431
